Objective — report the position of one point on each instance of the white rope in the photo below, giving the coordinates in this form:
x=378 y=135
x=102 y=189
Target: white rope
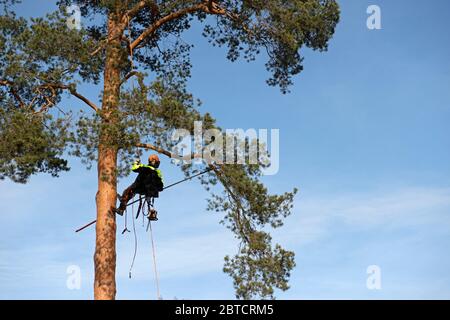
x=154 y=263
x=135 y=241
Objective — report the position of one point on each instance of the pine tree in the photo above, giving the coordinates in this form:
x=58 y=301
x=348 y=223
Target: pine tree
x=41 y=59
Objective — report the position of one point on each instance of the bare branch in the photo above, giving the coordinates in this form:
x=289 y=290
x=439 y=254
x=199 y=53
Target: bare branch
x=138 y=7
x=99 y=48
x=131 y=74
x=104 y=43
x=75 y=93
x=168 y=153
x=154 y=148
x=84 y=99
x=12 y=91
x=49 y=99
x=207 y=7
x=133 y=11
x=150 y=30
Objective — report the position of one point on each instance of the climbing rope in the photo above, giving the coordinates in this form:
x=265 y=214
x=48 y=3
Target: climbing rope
x=135 y=242
x=158 y=296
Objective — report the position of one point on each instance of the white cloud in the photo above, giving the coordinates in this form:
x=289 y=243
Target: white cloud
x=192 y=243
x=191 y=253
x=180 y=256
x=314 y=217
x=33 y=266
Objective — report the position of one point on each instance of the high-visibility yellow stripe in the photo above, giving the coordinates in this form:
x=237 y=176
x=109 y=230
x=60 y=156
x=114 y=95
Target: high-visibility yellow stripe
x=136 y=166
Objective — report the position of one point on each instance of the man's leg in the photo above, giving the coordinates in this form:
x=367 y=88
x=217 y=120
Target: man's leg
x=127 y=194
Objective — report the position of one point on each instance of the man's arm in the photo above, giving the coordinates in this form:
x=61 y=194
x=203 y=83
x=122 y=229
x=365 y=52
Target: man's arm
x=159 y=179
x=137 y=166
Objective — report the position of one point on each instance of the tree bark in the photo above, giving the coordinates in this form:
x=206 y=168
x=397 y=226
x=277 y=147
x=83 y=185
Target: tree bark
x=105 y=246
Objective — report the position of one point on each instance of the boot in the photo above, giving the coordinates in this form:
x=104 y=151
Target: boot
x=153 y=215
x=121 y=209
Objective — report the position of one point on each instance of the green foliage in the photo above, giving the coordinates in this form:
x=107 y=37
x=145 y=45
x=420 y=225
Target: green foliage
x=41 y=58
x=258 y=269
x=36 y=57
x=30 y=144
x=280 y=28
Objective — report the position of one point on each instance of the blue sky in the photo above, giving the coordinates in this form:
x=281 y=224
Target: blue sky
x=364 y=135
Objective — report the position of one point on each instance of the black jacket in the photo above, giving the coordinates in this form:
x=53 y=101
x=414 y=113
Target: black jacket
x=149 y=180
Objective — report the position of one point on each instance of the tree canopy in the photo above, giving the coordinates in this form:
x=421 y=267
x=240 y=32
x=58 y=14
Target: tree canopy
x=41 y=59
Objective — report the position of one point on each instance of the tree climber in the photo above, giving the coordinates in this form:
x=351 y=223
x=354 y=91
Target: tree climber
x=149 y=183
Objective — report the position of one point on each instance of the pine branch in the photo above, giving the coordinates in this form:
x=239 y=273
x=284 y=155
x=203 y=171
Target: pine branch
x=104 y=43
x=12 y=91
x=73 y=92
x=131 y=74
x=154 y=148
x=49 y=99
x=138 y=7
x=207 y=6
x=169 y=154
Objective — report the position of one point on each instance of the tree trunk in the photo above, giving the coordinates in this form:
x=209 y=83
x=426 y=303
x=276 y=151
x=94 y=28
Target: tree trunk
x=105 y=245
